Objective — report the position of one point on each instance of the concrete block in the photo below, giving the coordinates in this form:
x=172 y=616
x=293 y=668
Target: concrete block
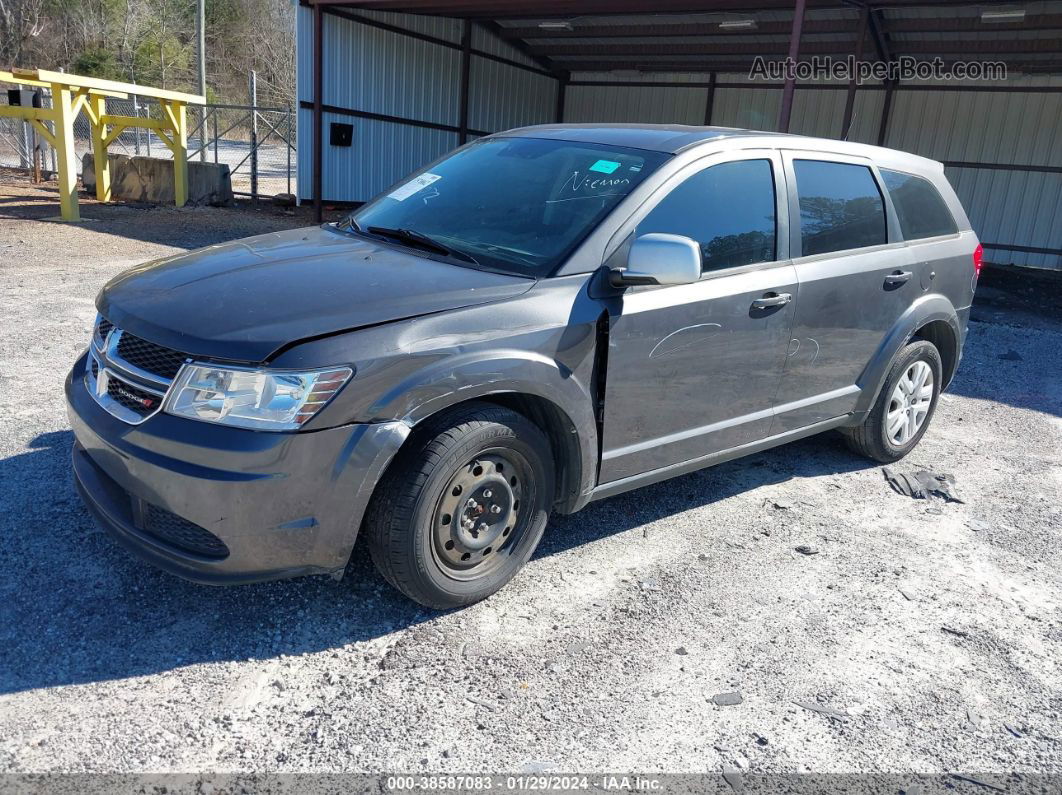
x=150 y=179
x=88 y=170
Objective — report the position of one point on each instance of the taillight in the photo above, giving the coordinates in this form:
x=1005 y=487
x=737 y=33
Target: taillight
x=978 y=255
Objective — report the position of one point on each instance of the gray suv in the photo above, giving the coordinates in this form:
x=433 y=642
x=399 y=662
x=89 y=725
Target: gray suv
x=542 y=318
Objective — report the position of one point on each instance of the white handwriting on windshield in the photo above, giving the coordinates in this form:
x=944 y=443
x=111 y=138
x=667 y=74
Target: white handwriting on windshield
x=591 y=187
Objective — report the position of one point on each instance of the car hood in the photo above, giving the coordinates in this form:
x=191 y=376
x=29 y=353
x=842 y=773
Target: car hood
x=246 y=299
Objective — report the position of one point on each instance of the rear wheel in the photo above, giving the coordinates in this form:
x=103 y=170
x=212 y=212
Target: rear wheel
x=464 y=506
x=904 y=408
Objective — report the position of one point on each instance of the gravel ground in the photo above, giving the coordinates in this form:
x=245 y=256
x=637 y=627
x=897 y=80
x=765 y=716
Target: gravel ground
x=933 y=628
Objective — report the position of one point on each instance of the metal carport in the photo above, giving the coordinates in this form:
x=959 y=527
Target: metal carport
x=415 y=78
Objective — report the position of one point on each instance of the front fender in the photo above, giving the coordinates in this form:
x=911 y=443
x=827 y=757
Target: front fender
x=926 y=309
x=468 y=376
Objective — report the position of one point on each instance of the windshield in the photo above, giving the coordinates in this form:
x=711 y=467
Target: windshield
x=518 y=205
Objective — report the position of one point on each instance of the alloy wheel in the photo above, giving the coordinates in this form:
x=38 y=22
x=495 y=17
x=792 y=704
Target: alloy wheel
x=910 y=403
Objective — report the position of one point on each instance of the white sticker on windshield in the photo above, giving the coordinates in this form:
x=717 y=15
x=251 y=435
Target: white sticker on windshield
x=413 y=186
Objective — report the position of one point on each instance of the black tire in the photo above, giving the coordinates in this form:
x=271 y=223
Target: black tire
x=424 y=537
x=873 y=438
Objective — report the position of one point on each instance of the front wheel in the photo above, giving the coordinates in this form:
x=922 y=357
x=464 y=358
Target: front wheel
x=463 y=507
x=904 y=408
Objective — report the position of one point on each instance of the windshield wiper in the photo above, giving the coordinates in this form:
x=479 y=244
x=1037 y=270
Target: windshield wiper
x=419 y=240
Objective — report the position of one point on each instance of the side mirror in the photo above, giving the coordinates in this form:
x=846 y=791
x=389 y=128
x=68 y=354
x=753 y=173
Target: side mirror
x=658 y=258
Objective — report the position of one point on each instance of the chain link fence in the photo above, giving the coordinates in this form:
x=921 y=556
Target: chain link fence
x=257 y=143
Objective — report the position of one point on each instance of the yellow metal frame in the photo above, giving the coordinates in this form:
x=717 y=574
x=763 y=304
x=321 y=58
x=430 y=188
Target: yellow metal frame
x=73 y=93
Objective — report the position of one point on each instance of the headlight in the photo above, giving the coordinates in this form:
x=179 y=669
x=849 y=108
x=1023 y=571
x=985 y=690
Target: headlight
x=268 y=400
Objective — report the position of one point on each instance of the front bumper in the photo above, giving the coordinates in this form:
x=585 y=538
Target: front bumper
x=282 y=504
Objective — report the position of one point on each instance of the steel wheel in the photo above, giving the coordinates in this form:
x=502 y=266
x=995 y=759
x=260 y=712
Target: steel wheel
x=909 y=404
x=479 y=519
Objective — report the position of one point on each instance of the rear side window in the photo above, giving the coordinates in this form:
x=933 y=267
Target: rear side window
x=729 y=209
x=840 y=207
x=919 y=207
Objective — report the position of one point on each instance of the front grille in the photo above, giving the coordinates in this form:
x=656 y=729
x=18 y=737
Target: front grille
x=163 y=362
x=180 y=533
x=127 y=375
x=99 y=333
x=127 y=395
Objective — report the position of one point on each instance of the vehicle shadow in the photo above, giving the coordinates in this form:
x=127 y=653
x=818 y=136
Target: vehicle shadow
x=79 y=609
x=814 y=457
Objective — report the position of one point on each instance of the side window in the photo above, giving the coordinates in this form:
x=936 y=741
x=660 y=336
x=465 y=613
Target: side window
x=919 y=207
x=840 y=207
x=729 y=209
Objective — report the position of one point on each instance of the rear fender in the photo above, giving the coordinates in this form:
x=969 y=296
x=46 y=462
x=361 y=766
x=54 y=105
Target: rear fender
x=925 y=310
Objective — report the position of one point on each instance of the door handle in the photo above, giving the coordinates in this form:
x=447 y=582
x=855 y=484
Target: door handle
x=772 y=299
x=898 y=277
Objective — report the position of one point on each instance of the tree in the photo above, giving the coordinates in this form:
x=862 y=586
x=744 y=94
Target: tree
x=152 y=42
x=20 y=22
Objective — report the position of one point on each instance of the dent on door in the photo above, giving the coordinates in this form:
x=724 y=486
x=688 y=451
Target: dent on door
x=846 y=306
x=694 y=369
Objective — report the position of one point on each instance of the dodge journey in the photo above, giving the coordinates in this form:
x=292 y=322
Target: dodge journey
x=542 y=318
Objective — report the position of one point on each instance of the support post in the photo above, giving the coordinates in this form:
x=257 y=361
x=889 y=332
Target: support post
x=252 y=91
x=136 y=130
x=177 y=113
x=25 y=152
x=466 y=69
x=857 y=56
x=64 y=149
x=287 y=150
x=883 y=128
x=794 y=53
x=47 y=94
x=709 y=101
x=200 y=42
x=563 y=78
x=318 y=59
x=97 y=109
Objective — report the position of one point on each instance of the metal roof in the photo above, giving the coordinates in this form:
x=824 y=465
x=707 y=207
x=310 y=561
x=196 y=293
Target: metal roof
x=701 y=35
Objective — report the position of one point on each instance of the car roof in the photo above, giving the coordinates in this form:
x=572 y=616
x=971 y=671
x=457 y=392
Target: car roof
x=669 y=138
x=675 y=138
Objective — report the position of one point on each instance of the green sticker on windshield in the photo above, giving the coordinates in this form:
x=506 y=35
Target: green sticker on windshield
x=605 y=166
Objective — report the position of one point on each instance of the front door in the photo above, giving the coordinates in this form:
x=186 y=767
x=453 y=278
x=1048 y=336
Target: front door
x=694 y=369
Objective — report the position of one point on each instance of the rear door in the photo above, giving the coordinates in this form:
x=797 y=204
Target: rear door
x=856 y=278
x=693 y=369
x=931 y=232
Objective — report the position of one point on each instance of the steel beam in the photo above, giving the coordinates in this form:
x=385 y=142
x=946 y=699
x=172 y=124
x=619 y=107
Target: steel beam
x=849 y=100
x=709 y=100
x=466 y=67
x=318 y=121
x=563 y=78
x=794 y=52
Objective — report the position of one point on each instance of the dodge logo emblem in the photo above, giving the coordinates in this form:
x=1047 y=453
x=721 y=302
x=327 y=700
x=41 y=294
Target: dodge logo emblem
x=143 y=401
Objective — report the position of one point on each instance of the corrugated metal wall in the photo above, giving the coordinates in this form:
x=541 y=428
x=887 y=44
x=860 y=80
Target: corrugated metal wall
x=1005 y=127
x=378 y=71
x=668 y=104
x=371 y=70
x=501 y=97
x=1016 y=206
